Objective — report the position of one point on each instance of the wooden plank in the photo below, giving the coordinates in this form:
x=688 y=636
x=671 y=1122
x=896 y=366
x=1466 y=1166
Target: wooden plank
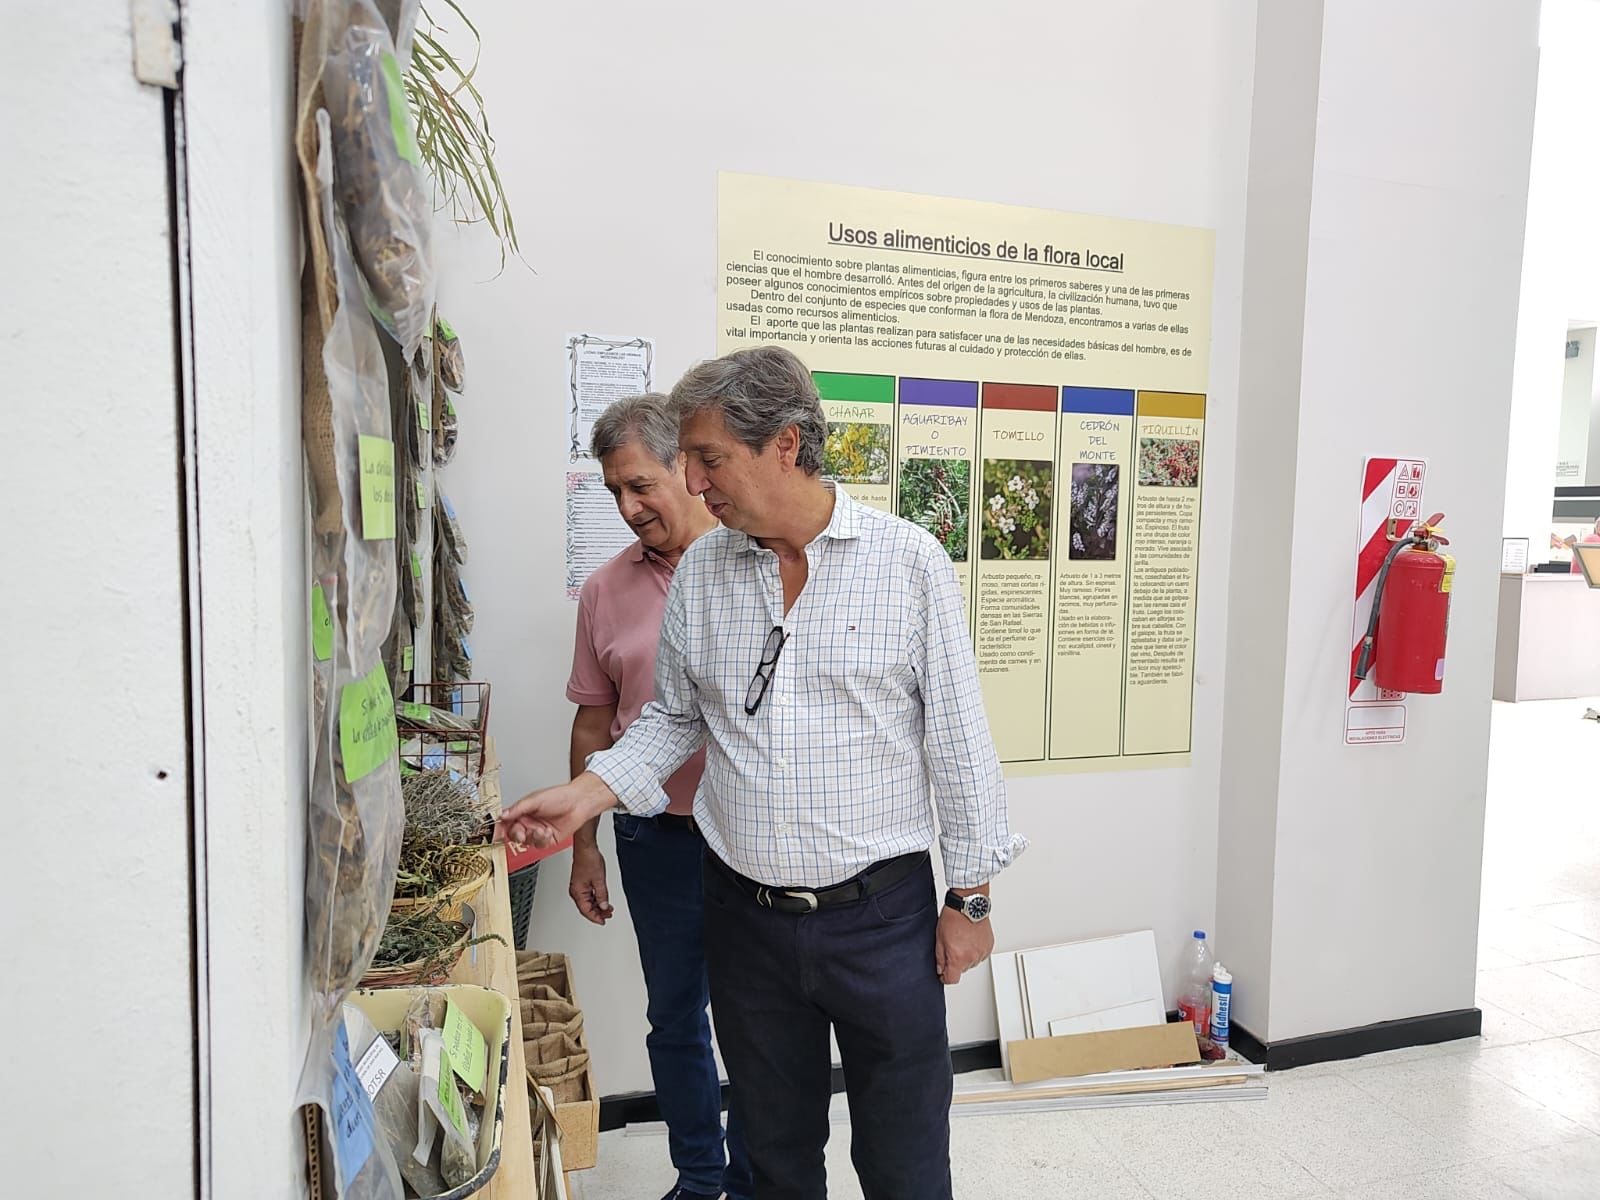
x=1171 y=1085
x=496 y=967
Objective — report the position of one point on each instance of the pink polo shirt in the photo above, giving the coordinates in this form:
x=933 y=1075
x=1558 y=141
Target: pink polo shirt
x=614 y=658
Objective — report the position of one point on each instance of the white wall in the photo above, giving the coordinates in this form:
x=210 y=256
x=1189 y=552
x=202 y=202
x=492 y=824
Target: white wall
x=611 y=131
x=1560 y=279
x=245 y=245
x=100 y=1036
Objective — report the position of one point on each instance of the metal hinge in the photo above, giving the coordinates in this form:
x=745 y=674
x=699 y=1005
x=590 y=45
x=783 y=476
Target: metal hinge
x=157 y=54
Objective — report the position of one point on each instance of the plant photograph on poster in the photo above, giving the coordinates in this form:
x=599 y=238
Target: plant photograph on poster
x=856 y=452
x=1094 y=512
x=1016 y=508
x=1169 y=462
x=936 y=494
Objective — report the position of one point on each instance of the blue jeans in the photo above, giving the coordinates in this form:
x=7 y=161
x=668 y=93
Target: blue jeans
x=661 y=876
x=867 y=970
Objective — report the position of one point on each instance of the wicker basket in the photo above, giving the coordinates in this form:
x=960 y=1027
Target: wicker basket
x=428 y=971
x=468 y=880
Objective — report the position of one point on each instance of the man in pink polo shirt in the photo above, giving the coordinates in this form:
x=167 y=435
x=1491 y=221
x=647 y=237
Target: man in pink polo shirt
x=613 y=677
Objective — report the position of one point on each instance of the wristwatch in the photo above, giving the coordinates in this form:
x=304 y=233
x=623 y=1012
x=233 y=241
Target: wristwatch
x=975 y=907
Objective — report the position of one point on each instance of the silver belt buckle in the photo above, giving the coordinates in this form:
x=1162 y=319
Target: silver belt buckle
x=764 y=898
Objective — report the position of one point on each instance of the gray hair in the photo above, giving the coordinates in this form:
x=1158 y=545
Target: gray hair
x=760 y=392
x=648 y=419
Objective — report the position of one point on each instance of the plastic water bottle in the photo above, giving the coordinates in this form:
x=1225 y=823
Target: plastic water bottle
x=1194 y=998
x=1221 y=1008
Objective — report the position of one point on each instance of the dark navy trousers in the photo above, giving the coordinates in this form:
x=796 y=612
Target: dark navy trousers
x=661 y=865
x=779 y=981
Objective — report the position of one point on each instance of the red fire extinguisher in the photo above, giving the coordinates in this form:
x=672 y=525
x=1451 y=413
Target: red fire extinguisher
x=1410 y=621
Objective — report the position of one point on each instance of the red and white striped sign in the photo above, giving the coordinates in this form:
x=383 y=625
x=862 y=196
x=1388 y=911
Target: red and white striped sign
x=1391 y=489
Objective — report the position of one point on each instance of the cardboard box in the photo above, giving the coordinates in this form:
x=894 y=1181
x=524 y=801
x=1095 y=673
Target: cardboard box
x=1035 y=1059
x=579 y=1119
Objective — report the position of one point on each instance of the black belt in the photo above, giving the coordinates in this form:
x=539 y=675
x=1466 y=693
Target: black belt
x=876 y=878
x=680 y=821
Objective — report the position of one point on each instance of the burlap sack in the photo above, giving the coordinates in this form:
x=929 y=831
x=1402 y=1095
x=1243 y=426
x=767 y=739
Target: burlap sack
x=535 y=966
x=551 y=1016
x=533 y=1026
x=319 y=288
x=551 y=1047
x=564 y=1077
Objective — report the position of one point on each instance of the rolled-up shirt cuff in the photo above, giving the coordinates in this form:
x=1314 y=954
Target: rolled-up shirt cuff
x=631 y=780
x=972 y=864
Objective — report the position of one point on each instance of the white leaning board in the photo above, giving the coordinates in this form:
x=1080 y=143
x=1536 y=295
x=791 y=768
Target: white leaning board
x=1085 y=987
x=1077 y=987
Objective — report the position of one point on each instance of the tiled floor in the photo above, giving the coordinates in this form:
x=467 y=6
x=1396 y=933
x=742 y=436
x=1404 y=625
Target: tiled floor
x=1513 y=1116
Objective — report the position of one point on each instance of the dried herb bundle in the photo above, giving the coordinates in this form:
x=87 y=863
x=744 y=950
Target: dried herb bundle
x=453 y=131
x=429 y=869
x=417 y=936
x=424 y=941
x=442 y=810
x=379 y=182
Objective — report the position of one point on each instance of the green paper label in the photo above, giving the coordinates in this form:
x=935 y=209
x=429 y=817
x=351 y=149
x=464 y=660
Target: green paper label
x=422 y=495
x=446 y=330
x=377 y=487
x=416 y=566
x=424 y=421
x=408 y=656
x=459 y=747
x=407 y=769
x=464 y=1044
x=321 y=625
x=367 y=734
x=415 y=711
x=405 y=142
x=450 y=406
x=449 y=1098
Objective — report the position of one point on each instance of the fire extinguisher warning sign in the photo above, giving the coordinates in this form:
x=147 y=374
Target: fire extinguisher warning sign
x=1391 y=503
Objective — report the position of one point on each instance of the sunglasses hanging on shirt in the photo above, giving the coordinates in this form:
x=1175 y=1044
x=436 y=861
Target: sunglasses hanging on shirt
x=757 y=691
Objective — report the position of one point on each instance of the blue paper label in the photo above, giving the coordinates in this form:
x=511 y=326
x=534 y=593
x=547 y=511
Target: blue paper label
x=432 y=758
x=353 y=1124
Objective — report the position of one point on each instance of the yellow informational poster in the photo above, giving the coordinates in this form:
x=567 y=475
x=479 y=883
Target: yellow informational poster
x=1028 y=386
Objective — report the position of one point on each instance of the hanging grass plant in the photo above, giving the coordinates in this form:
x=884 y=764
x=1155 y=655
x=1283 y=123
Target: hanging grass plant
x=453 y=131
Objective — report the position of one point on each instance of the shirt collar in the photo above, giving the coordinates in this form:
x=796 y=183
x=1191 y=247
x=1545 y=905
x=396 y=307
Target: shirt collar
x=640 y=553
x=843 y=525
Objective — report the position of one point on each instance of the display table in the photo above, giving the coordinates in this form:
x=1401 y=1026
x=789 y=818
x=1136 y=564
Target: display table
x=1547 y=640
x=493 y=965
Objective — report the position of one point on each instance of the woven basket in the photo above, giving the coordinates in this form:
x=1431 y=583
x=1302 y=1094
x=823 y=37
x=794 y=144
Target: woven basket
x=419 y=974
x=462 y=888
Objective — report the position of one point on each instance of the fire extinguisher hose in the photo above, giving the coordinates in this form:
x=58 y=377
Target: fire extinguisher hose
x=1364 y=661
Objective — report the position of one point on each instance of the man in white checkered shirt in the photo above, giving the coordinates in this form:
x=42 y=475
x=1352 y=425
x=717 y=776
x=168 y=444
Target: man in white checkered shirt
x=819 y=650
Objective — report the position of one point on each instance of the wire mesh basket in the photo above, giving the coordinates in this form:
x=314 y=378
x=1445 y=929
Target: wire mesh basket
x=444 y=726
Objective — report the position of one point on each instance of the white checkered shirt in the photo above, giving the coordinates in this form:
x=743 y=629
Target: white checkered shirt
x=873 y=719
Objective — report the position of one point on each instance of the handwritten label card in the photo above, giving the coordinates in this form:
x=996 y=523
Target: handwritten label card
x=377 y=487
x=464 y=1044
x=449 y=1098
x=351 y=1117
x=321 y=625
x=367 y=735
